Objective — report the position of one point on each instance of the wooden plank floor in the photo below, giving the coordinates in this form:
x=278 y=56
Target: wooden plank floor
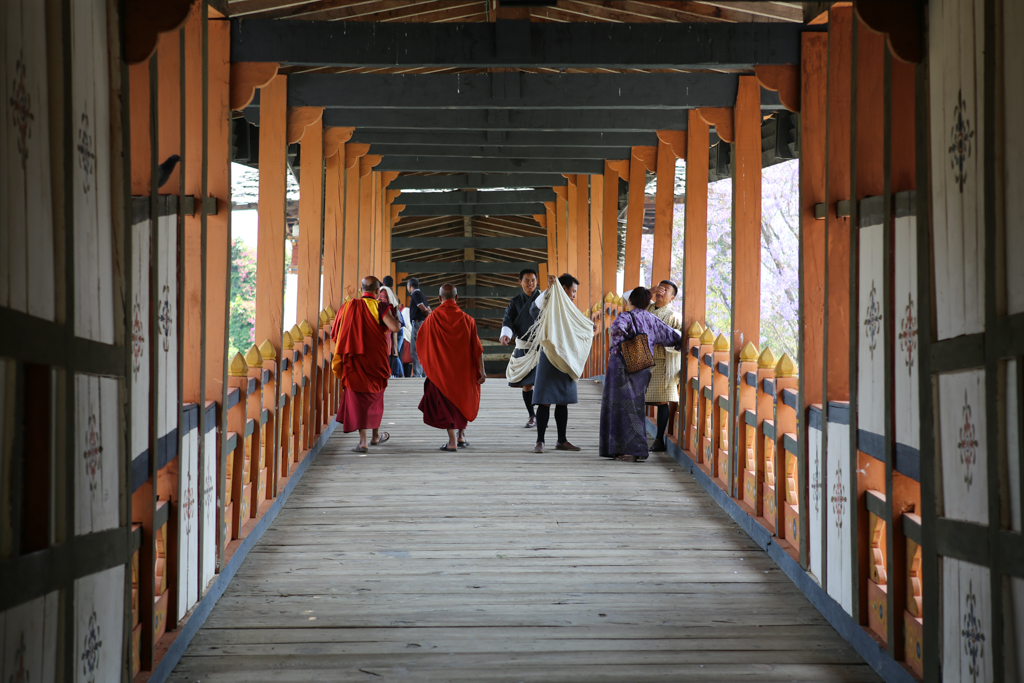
x=496 y=564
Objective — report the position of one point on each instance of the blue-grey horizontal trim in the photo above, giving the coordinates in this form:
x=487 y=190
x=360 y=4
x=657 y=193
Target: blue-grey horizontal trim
x=750 y=417
x=454 y=243
x=872 y=444
x=526 y=196
x=751 y=379
x=768 y=429
x=707 y=360
x=231 y=443
x=870 y=211
x=285 y=363
x=488 y=151
x=250 y=426
x=490 y=165
x=789 y=443
x=912 y=529
x=907 y=461
x=695 y=351
x=251 y=387
x=722 y=368
x=189 y=417
x=769 y=386
x=789 y=398
x=265 y=416
x=838 y=412
x=140 y=470
x=211 y=416
x=267 y=376
x=234 y=397
x=874 y=501
x=506 y=138
x=906 y=204
x=167 y=448
x=814 y=416
x=472 y=210
x=707 y=393
x=724 y=403
x=457 y=181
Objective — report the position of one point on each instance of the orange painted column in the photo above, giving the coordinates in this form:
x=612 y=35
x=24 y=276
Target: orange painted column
x=695 y=241
x=597 y=285
x=561 y=218
x=168 y=65
x=610 y=250
x=192 y=247
x=746 y=216
x=350 y=285
x=583 y=241
x=837 y=230
x=640 y=161
x=138 y=113
x=334 y=230
x=572 y=226
x=664 y=205
x=549 y=223
x=311 y=198
x=367 y=220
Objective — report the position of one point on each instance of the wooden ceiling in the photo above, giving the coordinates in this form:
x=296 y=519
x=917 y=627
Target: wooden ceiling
x=488 y=10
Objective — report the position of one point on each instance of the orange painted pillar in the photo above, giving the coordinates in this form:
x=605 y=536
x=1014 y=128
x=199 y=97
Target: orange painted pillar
x=191 y=171
x=168 y=65
x=334 y=229
x=549 y=223
x=582 y=272
x=311 y=198
x=597 y=286
x=572 y=225
x=641 y=160
x=746 y=212
x=695 y=241
x=610 y=250
x=350 y=285
x=561 y=217
x=671 y=145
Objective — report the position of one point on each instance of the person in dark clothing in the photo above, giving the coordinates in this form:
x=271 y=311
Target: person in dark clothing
x=514 y=326
x=419 y=308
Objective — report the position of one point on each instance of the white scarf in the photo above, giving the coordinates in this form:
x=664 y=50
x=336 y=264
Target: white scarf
x=562 y=331
x=393 y=300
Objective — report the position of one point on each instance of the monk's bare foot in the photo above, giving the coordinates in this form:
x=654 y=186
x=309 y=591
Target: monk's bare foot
x=361 y=448
x=566 y=446
x=384 y=436
x=449 y=448
x=539 y=448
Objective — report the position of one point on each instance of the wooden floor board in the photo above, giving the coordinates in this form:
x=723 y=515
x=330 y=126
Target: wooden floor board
x=498 y=564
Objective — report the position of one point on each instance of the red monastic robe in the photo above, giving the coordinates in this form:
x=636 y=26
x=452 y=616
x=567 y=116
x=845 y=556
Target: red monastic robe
x=361 y=363
x=449 y=351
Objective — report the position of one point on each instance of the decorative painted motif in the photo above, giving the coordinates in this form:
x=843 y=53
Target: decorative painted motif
x=138 y=340
x=962 y=135
x=972 y=635
x=86 y=155
x=20 y=674
x=967 y=447
x=21 y=109
x=165 y=316
x=91 y=649
x=93 y=449
x=816 y=485
x=908 y=333
x=189 y=503
x=873 y=320
x=839 y=499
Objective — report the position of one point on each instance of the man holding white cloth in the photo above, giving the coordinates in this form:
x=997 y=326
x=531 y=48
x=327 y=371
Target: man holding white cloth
x=560 y=341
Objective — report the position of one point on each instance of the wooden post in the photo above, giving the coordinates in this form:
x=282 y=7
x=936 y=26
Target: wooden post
x=695 y=251
x=350 y=285
x=192 y=246
x=561 y=244
x=549 y=223
x=597 y=286
x=664 y=204
x=311 y=197
x=572 y=225
x=639 y=161
x=367 y=222
x=583 y=299
x=334 y=256
x=610 y=249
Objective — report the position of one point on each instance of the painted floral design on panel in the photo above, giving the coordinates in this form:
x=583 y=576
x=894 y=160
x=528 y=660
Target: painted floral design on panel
x=873 y=320
x=189 y=503
x=21 y=109
x=93 y=449
x=86 y=153
x=961 y=145
x=908 y=334
x=839 y=498
x=967 y=447
x=816 y=485
x=165 y=316
x=20 y=674
x=138 y=340
x=972 y=635
x=91 y=649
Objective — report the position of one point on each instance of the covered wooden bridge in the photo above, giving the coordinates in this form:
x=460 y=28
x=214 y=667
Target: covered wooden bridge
x=172 y=511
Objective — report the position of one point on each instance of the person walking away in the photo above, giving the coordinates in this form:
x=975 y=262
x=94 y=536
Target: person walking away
x=452 y=358
x=420 y=308
x=514 y=326
x=664 y=386
x=388 y=296
x=561 y=338
x=623 y=431
x=361 y=362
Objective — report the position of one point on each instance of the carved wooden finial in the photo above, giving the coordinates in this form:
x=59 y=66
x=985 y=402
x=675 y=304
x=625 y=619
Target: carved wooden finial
x=597 y=307
x=297 y=335
x=253 y=357
x=749 y=352
x=721 y=343
x=238 y=367
x=767 y=359
x=331 y=313
x=785 y=367
x=695 y=331
x=707 y=337
x=622 y=302
x=267 y=350
x=610 y=297
x=324 y=317
x=286 y=340
x=305 y=328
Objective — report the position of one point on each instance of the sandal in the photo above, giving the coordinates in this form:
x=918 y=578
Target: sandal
x=448 y=450
x=360 y=449
x=462 y=444
x=384 y=436
x=626 y=458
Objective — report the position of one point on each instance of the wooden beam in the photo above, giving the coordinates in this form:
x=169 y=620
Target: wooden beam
x=472 y=210
x=335 y=139
x=531 y=242
x=596 y=151
x=477 y=180
x=664 y=208
x=784 y=79
x=571 y=225
x=610 y=248
x=485 y=198
x=561 y=218
x=365 y=248
x=746 y=217
x=582 y=245
x=705 y=45
x=596 y=239
x=300 y=118
x=350 y=284
x=192 y=246
x=464 y=266
x=722 y=119
x=488 y=165
x=635 y=215
x=311 y=221
x=506 y=139
x=695 y=250
x=552 y=239
x=336 y=254
x=497 y=120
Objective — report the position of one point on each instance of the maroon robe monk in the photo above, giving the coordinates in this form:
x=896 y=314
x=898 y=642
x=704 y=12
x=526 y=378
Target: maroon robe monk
x=361 y=362
x=452 y=358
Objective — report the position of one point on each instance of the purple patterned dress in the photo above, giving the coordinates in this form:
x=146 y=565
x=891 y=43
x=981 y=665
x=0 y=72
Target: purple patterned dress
x=623 y=423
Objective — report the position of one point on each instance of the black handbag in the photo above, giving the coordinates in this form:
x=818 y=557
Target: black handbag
x=636 y=351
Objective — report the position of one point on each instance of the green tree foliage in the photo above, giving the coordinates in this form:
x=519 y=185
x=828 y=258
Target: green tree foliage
x=243 y=297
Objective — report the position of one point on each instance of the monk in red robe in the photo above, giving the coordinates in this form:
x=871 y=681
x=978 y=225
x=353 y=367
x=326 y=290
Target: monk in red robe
x=361 y=362
x=452 y=358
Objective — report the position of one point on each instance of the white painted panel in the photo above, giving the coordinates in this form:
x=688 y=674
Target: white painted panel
x=140 y=336
x=99 y=624
x=1012 y=444
x=937 y=47
x=1013 y=153
x=1015 y=619
x=188 y=531
x=838 y=578
x=94 y=305
x=972 y=81
x=208 y=542
x=167 y=323
x=816 y=502
x=98 y=445
x=906 y=343
x=26 y=206
x=966 y=622
x=871 y=333
x=963 y=445
x=28 y=636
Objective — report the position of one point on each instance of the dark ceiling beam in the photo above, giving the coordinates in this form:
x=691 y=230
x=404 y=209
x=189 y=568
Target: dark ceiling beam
x=472 y=138
x=492 y=151
x=516 y=44
x=518 y=90
x=468 y=243
x=509 y=165
x=473 y=210
x=460 y=181
x=474 y=197
x=463 y=266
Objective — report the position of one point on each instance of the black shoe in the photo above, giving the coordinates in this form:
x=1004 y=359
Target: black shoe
x=657 y=446
x=532 y=422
